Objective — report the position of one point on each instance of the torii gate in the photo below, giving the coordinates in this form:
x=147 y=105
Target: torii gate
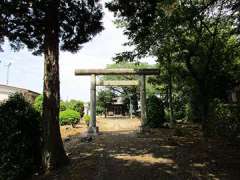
x=94 y=72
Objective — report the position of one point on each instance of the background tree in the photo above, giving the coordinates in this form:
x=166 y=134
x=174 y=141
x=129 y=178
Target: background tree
x=104 y=99
x=43 y=27
x=197 y=35
x=75 y=105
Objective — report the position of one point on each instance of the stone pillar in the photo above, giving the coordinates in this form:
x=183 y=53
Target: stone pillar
x=130 y=107
x=143 y=100
x=93 y=129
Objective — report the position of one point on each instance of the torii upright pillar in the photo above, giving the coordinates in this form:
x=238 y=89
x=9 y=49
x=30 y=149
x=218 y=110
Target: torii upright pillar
x=143 y=100
x=93 y=129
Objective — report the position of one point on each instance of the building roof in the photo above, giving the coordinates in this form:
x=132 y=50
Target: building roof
x=6 y=90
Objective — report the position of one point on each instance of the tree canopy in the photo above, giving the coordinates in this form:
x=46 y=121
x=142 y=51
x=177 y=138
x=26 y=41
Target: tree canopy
x=195 y=41
x=24 y=23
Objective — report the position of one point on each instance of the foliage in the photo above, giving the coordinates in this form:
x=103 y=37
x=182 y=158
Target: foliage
x=155 y=112
x=104 y=98
x=63 y=106
x=69 y=117
x=235 y=5
x=225 y=121
x=194 y=41
x=75 y=105
x=79 y=22
x=20 y=136
x=86 y=119
x=99 y=109
x=38 y=103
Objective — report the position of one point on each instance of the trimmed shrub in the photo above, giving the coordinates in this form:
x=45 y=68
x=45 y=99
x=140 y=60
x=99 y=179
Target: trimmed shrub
x=75 y=105
x=64 y=105
x=20 y=137
x=155 y=112
x=86 y=118
x=69 y=117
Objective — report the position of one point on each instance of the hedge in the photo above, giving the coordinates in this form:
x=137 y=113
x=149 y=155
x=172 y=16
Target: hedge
x=20 y=137
x=69 y=117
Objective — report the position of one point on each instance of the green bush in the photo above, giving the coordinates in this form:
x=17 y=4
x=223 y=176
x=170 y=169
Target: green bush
x=63 y=106
x=20 y=137
x=99 y=110
x=225 y=121
x=69 y=117
x=38 y=103
x=75 y=105
x=155 y=112
x=86 y=118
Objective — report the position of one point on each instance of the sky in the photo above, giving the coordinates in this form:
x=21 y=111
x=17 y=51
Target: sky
x=26 y=70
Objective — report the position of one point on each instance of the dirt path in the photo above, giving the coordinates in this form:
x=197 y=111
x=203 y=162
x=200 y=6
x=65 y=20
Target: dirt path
x=120 y=153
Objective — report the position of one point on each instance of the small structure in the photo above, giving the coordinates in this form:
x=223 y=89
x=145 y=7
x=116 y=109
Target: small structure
x=94 y=72
x=6 y=91
x=117 y=107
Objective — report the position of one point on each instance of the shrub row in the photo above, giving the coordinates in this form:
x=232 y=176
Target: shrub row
x=68 y=117
x=70 y=111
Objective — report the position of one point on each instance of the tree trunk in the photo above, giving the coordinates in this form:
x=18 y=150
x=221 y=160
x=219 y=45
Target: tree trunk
x=105 y=112
x=172 y=121
x=204 y=104
x=205 y=113
x=53 y=152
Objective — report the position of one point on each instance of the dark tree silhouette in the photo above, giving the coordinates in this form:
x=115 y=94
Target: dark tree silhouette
x=44 y=26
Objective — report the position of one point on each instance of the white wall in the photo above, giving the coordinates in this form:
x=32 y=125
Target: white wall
x=3 y=96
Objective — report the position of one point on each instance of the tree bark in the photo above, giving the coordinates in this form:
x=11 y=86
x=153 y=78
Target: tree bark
x=172 y=120
x=204 y=100
x=54 y=155
x=105 y=112
x=204 y=95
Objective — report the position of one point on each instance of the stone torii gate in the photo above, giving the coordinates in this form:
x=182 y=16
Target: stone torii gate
x=94 y=72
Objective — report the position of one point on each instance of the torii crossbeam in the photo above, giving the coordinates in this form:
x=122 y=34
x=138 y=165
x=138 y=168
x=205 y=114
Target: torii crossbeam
x=93 y=129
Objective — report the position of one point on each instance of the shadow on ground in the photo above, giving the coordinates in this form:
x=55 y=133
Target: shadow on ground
x=154 y=155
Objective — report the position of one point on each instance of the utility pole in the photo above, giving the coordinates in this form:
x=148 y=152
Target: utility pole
x=8 y=68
